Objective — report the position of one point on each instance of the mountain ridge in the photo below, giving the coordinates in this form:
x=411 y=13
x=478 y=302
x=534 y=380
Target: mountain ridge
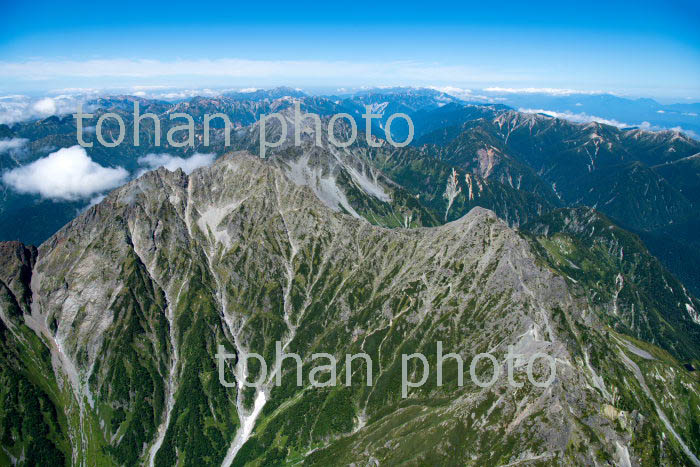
x=237 y=253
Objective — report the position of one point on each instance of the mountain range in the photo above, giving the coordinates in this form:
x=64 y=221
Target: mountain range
x=494 y=228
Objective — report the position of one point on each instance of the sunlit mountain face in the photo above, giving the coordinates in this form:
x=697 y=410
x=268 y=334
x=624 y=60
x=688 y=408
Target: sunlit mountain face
x=493 y=230
x=254 y=234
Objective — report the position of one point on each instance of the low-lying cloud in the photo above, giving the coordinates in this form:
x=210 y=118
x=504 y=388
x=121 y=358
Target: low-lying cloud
x=45 y=106
x=462 y=93
x=17 y=108
x=585 y=118
x=12 y=144
x=172 y=163
x=68 y=174
x=577 y=117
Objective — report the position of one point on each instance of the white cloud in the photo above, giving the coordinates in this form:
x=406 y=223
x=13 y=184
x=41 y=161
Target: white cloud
x=46 y=106
x=16 y=148
x=463 y=93
x=585 y=118
x=18 y=108
x=660 y=112
x=550 y=91
x=460 y=93
x=576 y=117
x=12 y=144
x=690 y=133
x=172 y=163
x=67 y=174
x=96 y=200
x=14 y=109
x=396 y=71
x=649 y=127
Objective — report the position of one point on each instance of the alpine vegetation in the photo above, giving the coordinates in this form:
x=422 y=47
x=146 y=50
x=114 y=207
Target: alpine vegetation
x=328 y=333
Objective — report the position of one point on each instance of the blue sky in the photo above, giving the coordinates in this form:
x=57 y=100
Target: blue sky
x=637 y=48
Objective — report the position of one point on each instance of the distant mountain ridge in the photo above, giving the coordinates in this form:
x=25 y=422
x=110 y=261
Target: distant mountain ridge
x=519 y=165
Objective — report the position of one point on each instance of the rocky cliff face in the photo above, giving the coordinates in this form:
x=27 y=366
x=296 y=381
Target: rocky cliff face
x=117 y=319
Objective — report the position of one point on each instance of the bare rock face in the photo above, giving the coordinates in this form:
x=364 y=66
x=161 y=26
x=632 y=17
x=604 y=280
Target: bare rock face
x=133 y=299
x=16 y=263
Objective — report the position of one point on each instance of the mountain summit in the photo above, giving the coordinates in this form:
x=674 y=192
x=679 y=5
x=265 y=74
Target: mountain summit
x=110 y=331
